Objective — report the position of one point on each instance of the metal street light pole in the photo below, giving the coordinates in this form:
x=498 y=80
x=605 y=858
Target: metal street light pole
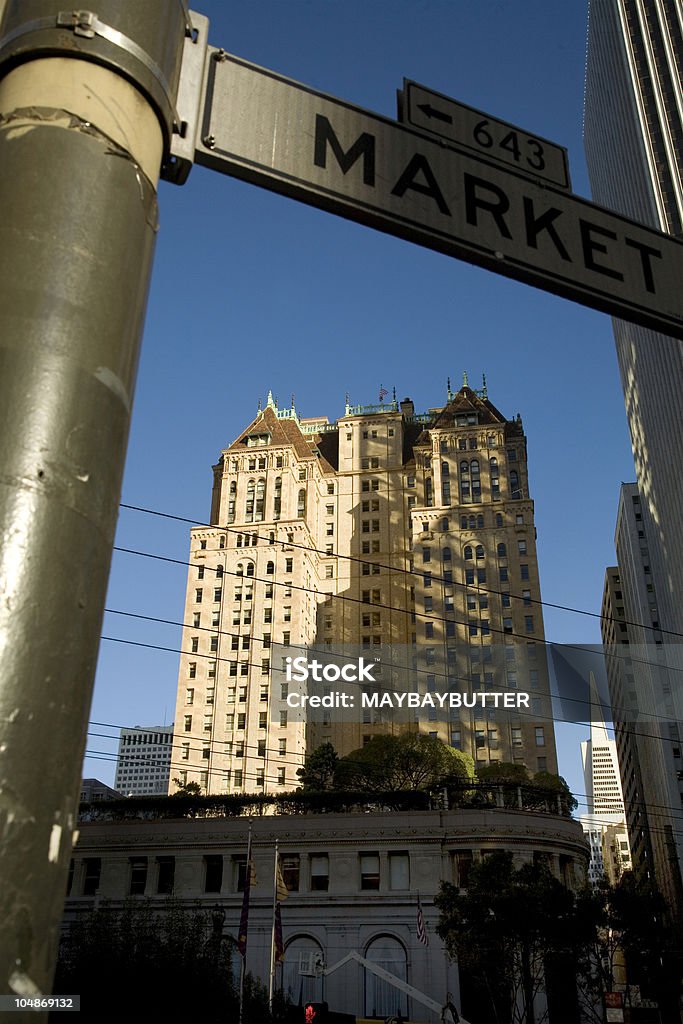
x=86 y=112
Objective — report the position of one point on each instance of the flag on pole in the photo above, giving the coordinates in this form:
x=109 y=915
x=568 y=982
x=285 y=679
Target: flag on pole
x=421 y=930
x=382 y=393
x=279 y=942
x=249 y=880
x=281 y=890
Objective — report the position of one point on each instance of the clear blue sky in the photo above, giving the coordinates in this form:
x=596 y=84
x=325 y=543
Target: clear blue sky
x=252 y=290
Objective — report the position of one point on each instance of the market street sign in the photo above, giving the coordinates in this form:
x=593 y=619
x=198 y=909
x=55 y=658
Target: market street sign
x=274 y=132
x=482 y=134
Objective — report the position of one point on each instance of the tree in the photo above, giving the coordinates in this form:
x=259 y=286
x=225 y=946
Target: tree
x=555 y=786
x=502 y=931
x=174 y=954
x=317 y=774
x=409 y=761
x=186 y=788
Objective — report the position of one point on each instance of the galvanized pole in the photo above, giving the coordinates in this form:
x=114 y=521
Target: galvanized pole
x=86 y=111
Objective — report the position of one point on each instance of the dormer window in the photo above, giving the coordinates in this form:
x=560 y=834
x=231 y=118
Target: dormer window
x=257 y=440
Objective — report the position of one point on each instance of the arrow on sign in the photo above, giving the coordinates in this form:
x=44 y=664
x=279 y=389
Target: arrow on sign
x=431 y=111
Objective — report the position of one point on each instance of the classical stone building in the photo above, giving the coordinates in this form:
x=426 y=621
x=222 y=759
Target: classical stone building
x=353 y=883
x=386 y=531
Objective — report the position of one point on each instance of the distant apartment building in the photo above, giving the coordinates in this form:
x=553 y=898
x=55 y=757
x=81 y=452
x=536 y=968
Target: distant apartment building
x=93 y=789
x=385 y=530
x=143 y=765
x=643 y=676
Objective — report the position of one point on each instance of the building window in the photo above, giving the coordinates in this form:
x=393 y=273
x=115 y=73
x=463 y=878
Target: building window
x=213 y=872
x=524 y=572
x=290 y=871
x=138 y=876
x=91 y=879
x=399 y=871
x=539 y=733
x=369 y=871
x=462 y=862
x=320 y=872
x=165 y=875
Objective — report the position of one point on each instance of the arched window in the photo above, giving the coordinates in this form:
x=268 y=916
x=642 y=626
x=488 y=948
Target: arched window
x=446 y=554
x=467 y=554
x=240 y=569
x=301 y=503
x=480 y=522
x=302 y=951
x=250 y=569
x=499 y=518
x=270 y=568
x=444 y=524
x=464 y=468
x=219 y=572
x=221 y=542
x=260 y=499
x=445 y=469
x=463 y=522
x=233 y=487
x=239 y=540
x=472 y=522
x=493 y=464
x=381 y=998
x=502 y=551
x=515 y=490
x=474 y=467
x=479 y=552
x=277 y=499
x=249 y=508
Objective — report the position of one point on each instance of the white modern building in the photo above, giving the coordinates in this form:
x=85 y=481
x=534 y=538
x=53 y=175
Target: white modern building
x=143 y=765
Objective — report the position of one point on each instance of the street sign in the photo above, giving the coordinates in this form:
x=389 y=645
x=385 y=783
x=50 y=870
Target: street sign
x=482 y=134
x=274 y=132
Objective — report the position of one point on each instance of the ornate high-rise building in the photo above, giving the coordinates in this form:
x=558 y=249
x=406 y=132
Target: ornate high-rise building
x=384 y=531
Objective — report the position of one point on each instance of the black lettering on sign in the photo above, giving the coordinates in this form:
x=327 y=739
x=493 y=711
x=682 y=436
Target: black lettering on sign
x=591 y=245
x=497 y=207
x=364 y=147
x=419 y=165
x=646 y=251
x=544 y=222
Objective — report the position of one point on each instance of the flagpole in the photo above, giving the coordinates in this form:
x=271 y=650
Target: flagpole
x=243 y=966
x=271 y=985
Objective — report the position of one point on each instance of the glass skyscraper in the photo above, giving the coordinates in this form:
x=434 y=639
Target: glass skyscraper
x=634 y=149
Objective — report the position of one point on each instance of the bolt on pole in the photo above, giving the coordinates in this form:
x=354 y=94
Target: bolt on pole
x=87 y=106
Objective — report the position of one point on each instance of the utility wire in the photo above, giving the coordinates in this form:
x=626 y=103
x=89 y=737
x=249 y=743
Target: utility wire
x=390 y=568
